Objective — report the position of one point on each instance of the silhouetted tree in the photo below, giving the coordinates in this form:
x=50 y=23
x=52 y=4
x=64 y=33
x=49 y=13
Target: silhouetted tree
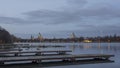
x=5 y=37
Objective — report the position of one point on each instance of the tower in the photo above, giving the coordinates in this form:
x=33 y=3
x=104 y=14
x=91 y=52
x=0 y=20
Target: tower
x=72 y=35
x=40 y=37
x=32 y=37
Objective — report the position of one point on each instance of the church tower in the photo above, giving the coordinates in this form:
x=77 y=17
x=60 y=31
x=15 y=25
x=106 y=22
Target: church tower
x=72 y=35
x=32 y=37
x=40 y=37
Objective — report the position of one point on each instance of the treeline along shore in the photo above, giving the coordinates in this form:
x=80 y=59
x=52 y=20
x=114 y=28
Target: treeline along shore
x=113 y=38
x=6 y=37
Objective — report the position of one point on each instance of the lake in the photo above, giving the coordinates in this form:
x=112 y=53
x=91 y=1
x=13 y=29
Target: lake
x=77 y=48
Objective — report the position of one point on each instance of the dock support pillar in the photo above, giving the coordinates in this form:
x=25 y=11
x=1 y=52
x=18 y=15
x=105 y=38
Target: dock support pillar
x=61 y=53
x=65 y=60
x=107 y=58
x=72 y=59
x=16 y=54
x=1 y=63
x=36 y=61
x=38 y=54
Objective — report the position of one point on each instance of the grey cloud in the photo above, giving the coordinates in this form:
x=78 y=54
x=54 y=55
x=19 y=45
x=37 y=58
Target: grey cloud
x=52 y=17
x=76 y=4
x=75 y=14
x=79 y=16
x=100 y=12
x=10 y=20
x=95 y=31
x=13 y=20
x=58 y=17
x=99 y=9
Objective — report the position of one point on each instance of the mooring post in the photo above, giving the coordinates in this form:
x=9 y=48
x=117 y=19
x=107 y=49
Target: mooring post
x=16 y=54
x=72 y=59
x=1 y=63
x=107 y=58
x=65 y=60
x=36 y=61
x=39 y=53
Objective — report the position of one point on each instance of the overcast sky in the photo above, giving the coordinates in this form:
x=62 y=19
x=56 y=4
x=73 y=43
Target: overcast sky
x=59 y=18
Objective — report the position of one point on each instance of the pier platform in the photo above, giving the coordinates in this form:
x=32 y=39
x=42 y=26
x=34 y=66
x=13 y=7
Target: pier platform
x=39 y=59
x=17 y=53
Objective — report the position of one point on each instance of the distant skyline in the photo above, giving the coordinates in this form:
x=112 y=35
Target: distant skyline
x=60 y=18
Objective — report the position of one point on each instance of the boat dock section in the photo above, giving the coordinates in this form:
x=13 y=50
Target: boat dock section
x=38 y=59
x=16 y=53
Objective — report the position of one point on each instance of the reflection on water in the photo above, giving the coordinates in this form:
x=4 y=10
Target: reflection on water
x=103 y=47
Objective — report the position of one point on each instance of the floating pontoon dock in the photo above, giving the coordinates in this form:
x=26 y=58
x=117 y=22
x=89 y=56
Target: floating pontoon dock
x=38 y=59
x=16 y=53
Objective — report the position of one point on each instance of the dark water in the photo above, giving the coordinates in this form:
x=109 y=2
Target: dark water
x=77 y=48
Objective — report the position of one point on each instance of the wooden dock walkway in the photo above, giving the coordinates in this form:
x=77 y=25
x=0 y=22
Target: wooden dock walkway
x=16 y=53
x=38 y=59
x=7 y=50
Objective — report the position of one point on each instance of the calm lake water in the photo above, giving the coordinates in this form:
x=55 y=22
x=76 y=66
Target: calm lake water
x=77 y=48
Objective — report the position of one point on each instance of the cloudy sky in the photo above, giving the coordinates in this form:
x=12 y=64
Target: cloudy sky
x=59 y=18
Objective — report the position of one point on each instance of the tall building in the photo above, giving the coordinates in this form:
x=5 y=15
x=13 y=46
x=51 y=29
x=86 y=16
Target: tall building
x=32 y=37
x=72 y=35
x=40 y=37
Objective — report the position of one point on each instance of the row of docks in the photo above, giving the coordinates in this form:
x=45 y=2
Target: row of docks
x=39 y=56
